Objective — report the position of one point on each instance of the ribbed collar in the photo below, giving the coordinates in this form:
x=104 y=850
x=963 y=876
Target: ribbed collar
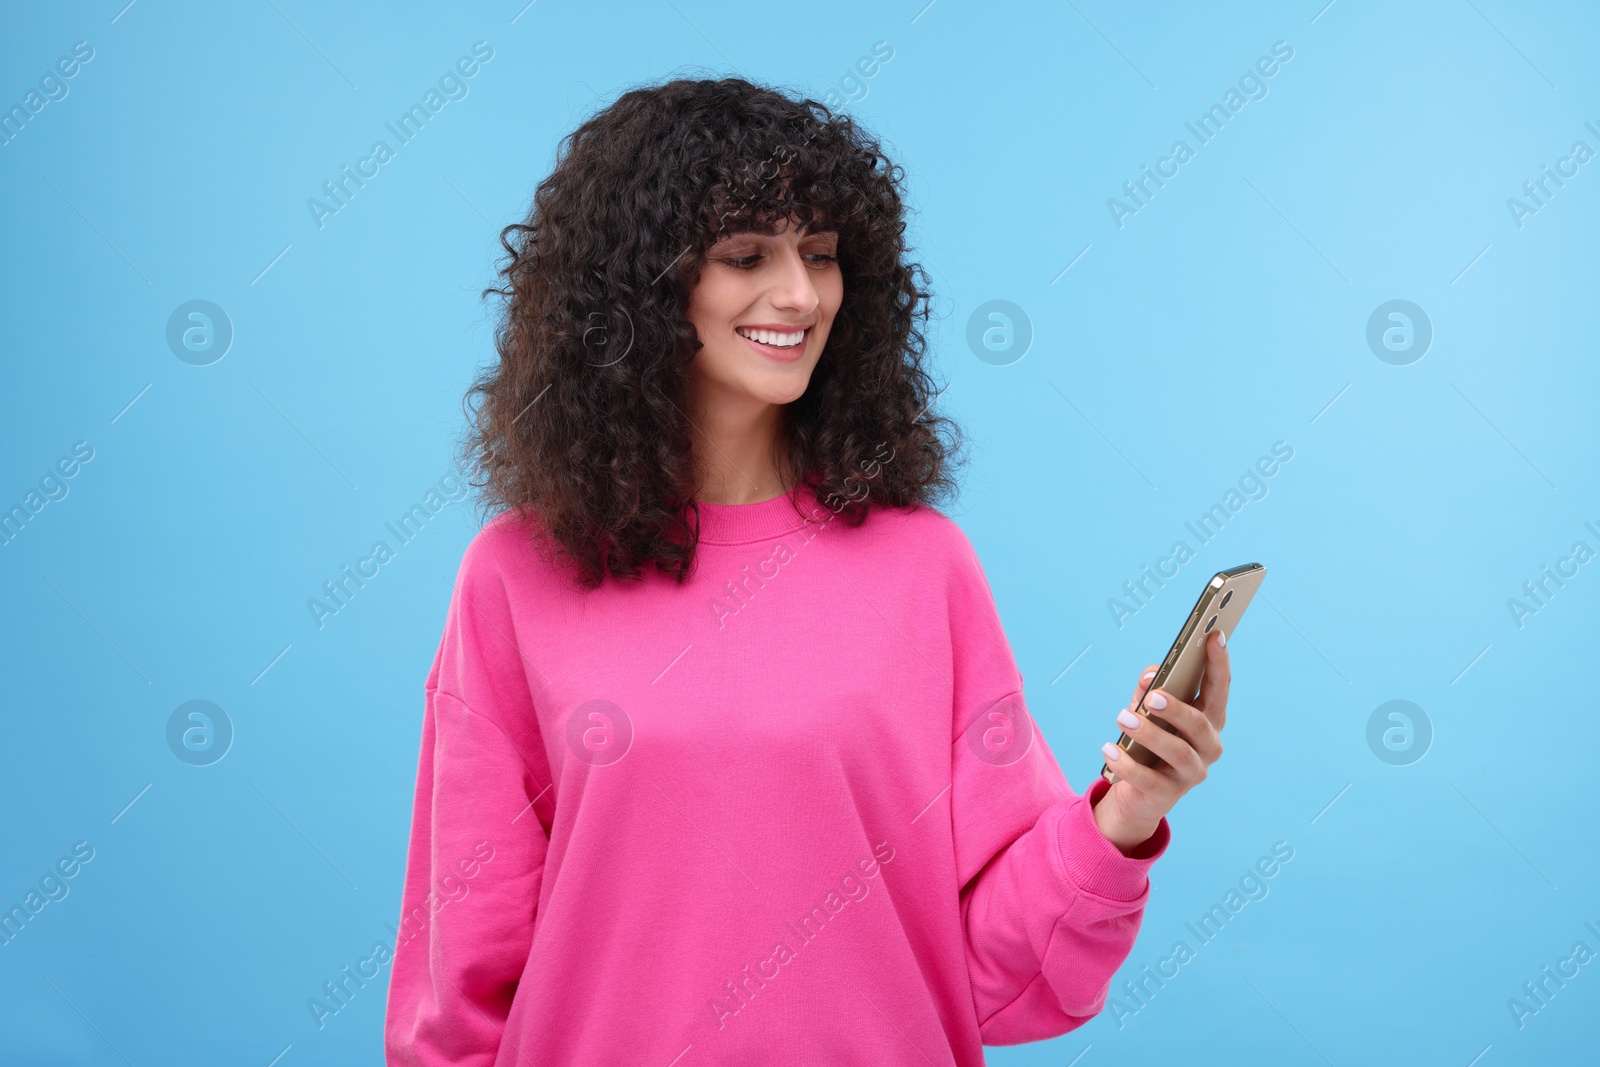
x=738 y=524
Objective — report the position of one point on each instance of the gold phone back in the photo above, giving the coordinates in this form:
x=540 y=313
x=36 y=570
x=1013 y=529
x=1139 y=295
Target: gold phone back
x=1220 y=606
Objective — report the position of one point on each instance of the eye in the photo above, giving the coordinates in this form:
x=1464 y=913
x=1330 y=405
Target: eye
x=823 y=258
x=742 y=262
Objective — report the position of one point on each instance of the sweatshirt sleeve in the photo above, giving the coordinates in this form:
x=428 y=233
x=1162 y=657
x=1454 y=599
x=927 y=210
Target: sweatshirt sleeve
x=1050 y=908
x=478 y=838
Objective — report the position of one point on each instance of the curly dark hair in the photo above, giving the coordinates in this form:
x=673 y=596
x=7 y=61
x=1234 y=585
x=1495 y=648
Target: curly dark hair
x=581 y=424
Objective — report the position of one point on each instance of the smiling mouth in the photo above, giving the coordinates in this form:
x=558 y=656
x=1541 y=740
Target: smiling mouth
x=779 y=339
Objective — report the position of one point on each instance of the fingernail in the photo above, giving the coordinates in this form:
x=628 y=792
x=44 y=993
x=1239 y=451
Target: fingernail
x=1147 y=676
x=1111 y=751
x=1222 y=639
x=1128 y=719
x=1156 y=700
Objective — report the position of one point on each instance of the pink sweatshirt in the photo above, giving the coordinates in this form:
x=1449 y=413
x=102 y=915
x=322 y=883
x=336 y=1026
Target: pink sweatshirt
x=792 y=812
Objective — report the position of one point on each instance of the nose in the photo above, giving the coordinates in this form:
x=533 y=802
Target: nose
x=792 y=287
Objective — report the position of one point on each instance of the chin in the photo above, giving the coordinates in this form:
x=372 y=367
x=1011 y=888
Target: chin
x=765 y=381
x=782 y=396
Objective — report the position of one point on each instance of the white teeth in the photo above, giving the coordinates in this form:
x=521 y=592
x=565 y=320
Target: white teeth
x=776 y=340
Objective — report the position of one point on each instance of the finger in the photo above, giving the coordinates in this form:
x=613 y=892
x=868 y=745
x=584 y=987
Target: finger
x=1218 y=678
x=1188 y=721
x=1172 y=748
x=1144 y=683
x=1155 y=782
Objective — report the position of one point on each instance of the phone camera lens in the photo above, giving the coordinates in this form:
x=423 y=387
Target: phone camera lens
x=1210 y=624
x=1225 y=598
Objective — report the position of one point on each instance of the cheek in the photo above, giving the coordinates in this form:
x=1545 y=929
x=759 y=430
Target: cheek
x=700 y=321
x=717 y=297
x=830 y=290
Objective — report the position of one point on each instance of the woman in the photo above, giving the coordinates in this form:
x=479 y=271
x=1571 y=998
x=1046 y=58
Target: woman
x=725 y=757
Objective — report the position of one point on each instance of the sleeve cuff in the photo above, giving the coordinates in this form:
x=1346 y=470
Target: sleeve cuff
x=1094 y=864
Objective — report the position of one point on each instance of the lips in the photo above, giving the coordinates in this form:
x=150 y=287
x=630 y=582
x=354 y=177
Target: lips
x=781 y=334
x=778 y=343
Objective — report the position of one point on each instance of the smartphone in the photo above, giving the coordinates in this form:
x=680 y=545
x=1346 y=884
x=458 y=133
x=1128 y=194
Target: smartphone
x=1220 y=606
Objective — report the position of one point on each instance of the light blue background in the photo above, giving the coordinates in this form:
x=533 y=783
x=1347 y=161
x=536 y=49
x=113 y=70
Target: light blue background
x=1228 y=314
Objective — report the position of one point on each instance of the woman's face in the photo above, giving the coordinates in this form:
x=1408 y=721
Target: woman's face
x=762 y=307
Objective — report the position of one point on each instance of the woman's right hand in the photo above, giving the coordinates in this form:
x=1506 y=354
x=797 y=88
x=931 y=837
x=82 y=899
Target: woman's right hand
x=1189 y=742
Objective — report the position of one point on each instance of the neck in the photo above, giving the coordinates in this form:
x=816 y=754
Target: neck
x=736 y=451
